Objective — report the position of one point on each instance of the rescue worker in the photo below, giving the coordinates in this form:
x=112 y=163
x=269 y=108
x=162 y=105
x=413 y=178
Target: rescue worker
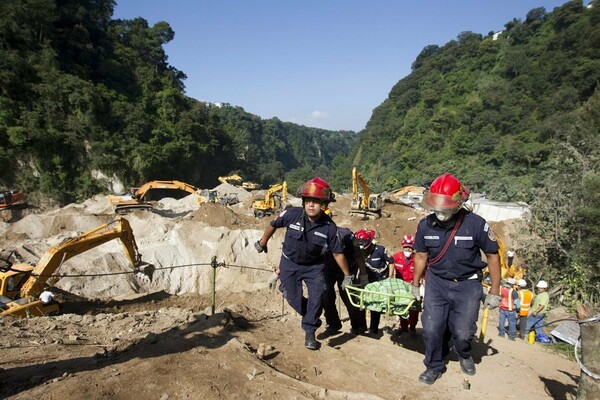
x=308 y=231
x=404 y=268
x=525 y=297
x=508 y=309
x=377 y=261
x=334 y=277
x=539 y=308
x=448 y=243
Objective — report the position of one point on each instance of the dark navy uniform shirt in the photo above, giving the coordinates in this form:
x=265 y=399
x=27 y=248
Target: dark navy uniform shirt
x=345 y=236
x=463 y=257
x=377 y=263
x=304 y=239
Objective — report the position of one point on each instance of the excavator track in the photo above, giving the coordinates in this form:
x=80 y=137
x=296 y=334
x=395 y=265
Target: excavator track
x=126 y=209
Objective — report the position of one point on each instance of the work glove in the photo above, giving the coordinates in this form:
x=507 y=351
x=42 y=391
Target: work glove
x=415 y=291
x=492 y=301
x=273 y=279
x=260 y=248
x=347 y=281
x=363 y=280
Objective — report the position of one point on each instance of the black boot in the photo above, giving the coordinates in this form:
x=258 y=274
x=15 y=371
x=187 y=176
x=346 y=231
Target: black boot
x=429 y=376
x=310 y=342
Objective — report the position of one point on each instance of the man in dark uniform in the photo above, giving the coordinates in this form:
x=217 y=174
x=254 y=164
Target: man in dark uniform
x=309 y=231
x=377 y=261
x=335 y=277
x=448 y=243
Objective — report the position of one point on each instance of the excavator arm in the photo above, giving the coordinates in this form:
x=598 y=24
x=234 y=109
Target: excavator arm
x=366 y=204
x=137 y=200
x=55 y=256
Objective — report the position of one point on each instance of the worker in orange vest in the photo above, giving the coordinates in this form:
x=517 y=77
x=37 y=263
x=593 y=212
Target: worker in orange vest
x=508 y=309
x=525 y=298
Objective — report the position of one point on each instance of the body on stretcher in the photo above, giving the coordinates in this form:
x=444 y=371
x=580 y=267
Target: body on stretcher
x=389 y=296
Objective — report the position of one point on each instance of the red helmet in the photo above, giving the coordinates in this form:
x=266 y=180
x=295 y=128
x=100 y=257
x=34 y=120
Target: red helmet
x=445 y=193
x=316 y=188
x=408 y=241
x=364 y=238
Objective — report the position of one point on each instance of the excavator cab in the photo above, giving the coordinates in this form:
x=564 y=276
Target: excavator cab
x=11 y=198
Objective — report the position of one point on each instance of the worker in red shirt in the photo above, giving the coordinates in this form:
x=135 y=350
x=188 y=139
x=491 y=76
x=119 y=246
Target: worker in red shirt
x=404 y=268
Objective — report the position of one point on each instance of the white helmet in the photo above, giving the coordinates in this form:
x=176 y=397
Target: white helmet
x=510 y=281
x=522 y=283
x=542 y=285
x=510 y=253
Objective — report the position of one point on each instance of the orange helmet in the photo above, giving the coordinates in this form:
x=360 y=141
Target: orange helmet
x=317 y=188
x=364 y=238
x=408 y=241
x=446 y=193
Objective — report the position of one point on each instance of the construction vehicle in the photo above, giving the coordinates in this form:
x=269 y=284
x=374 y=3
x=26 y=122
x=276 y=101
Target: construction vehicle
x=11 y=198
x=138 y=200
x=238 y=181
x=207 y=196
x=411 y=195
x=365 y=205
x=21 y=284
x=507 y=270
x=273 y=201
x=229 y=199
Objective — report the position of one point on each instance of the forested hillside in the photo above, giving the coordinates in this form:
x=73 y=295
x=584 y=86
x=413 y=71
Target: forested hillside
x=81 y=93
x=490 y=110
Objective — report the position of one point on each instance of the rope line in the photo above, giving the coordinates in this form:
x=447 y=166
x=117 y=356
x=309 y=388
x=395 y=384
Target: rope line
x=224 y=265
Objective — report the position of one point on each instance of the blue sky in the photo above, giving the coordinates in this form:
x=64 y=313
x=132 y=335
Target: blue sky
x=324 y=63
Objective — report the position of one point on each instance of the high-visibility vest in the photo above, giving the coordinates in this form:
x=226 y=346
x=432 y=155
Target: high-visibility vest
x=525 y=298
x=507 y=298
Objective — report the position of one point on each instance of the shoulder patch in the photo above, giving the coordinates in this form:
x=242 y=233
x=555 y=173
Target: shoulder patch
x=492 y=235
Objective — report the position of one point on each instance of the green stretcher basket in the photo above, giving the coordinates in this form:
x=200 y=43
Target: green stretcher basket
x=389 y=296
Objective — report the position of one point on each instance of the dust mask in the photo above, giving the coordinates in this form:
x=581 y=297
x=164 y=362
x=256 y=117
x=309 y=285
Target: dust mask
x=407 y=254
x=443 y=216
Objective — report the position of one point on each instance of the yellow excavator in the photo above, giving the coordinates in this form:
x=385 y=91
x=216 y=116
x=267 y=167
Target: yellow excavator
x=409 y=195
x=507 y=269
x=21 y=284
x=273 y=201
x=365 y=205
x=238 y=181
x=137 y=199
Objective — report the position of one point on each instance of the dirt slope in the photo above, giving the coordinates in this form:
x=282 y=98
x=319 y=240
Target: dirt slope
x=122 y=339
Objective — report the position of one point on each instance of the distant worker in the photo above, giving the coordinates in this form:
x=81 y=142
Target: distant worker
x=335 y=277
x=510 y=258
x=377 y=261
x=525 y=298
x=47 y=297
x=539 y=308
x=448 y=242
x=508 y=309
x=308 y=232
x=404 y=268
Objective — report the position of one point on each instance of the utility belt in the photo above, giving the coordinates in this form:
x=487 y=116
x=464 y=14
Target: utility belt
x=476 y=276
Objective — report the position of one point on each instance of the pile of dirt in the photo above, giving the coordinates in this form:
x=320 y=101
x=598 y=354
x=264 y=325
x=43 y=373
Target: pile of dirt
x=121 y=336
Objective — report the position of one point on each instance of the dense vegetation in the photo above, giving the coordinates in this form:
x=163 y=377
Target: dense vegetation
x=82 y=93
x=515 y=115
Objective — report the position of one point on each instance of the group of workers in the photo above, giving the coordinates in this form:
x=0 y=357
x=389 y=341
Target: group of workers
x=446 y=249
x=520 y=307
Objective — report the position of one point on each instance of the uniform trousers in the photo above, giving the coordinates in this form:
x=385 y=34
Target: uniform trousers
x=451 y=309
x=292 y=276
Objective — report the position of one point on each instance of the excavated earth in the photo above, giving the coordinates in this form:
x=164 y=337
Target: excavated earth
x=122 y=336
